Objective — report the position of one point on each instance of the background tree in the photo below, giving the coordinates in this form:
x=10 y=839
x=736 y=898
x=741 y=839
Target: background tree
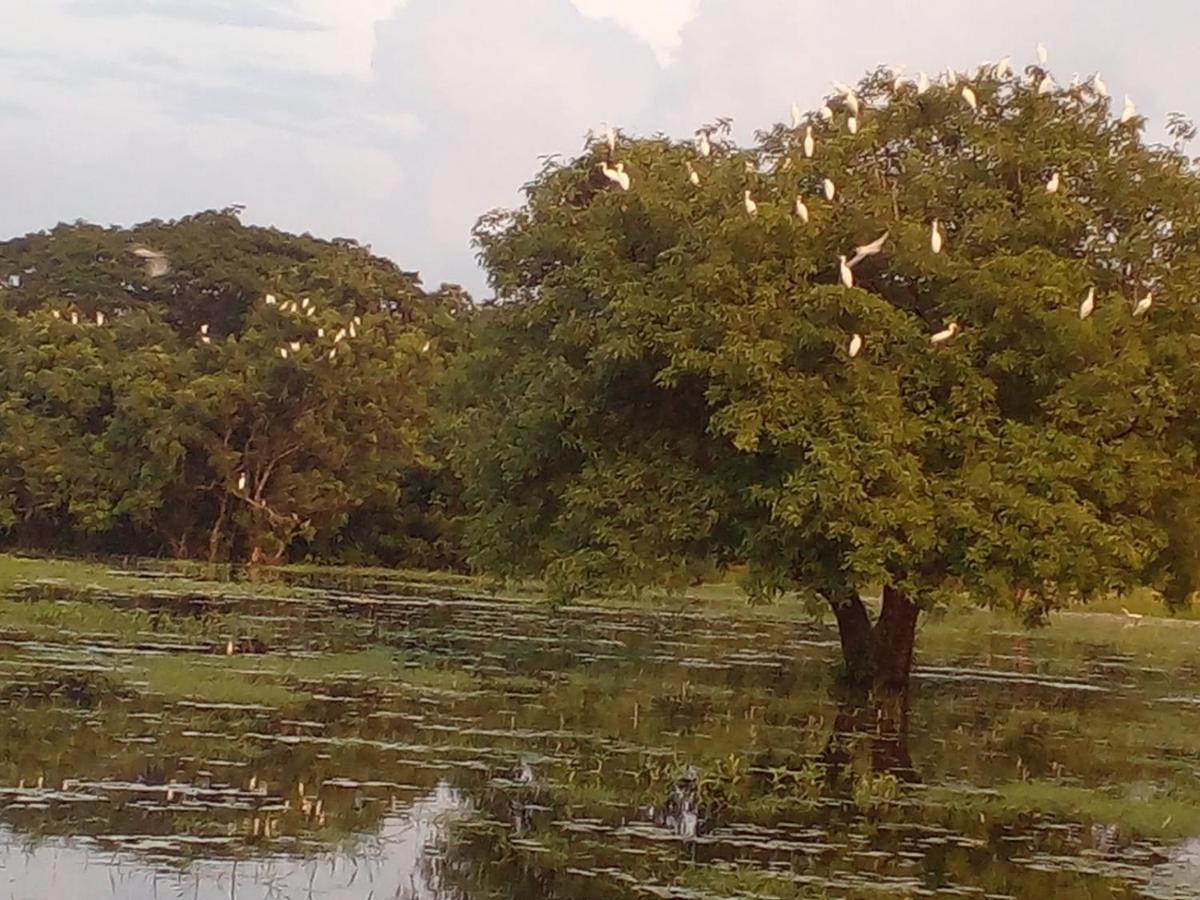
x=243 y=404
x=667 y=383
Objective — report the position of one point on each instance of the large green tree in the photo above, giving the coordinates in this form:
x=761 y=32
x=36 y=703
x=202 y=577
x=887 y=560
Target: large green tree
x=244 y=393
x=668 y=381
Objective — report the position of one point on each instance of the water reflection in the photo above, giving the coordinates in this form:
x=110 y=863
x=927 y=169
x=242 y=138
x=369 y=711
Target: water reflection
x=384 y=739
x=402 y=860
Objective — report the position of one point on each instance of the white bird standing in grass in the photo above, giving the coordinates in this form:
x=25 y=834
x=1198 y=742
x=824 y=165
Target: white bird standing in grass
x=944 y=335
x=1088 y=305
x=1143 y=306
x=748 y=202
x=846 y=273
x=862 y=251
x=702 y=144
x=830 y=190
x=935 y=238
x=968 y=96
x=809 y=144
x=1053 y=184
x=802 y=210
x=856 y=343
x=1129 y=111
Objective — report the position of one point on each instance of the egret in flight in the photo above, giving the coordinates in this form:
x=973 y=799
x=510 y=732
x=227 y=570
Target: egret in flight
x=944 y=335
x=1088 y=305
x=856 y=343
x=830 y=190
x=846 y=273
x=863 y=251
x=748 y=202
x=935 y=238
x=1143 y=306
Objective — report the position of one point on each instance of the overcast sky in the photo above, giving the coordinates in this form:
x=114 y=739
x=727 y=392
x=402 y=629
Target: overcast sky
x=398 y=122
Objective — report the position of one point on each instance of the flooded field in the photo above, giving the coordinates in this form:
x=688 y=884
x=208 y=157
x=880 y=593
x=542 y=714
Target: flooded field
x=372 y=737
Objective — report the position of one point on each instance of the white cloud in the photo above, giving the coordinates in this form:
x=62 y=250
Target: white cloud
x=657 y=22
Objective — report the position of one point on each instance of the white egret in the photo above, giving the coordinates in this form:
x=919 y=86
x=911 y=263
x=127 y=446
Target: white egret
x=922 y=82
x=968 y=95
x=1003 y=68
x=1129 y=111
x=157 y=264
x=295 y=345
x=1046 y=85
x=333 y=353
x=616 y=174
x=304 y=303
x=809 y=144
x=425 y=347
x=357 y=320
x=340 y=336
x=1088 y=305
x=1143 y=306
x=693 y=175
x=1132 y=615
x=1042 y=53
x=852 y=124
x=845 y=271
x=270 y=299
x=897 y=77
x=311 y=310
x=935 y=238
x=802 y=210
x=945 y=334
x=242 y=482
x=852 y=101
x=830 y=190
x=797 y=117
x=205 y=339
x=283 y=352
x=56 y=313
x=320 y=332
x=353 y=330
x=99 y=318
x=826 y=113
x=204 y=328
x=856 y=343
x=1053 y=184
x=610 y=135
x=862 y=251
x=1099 y=86
x=703 y=145
x=951 y=77
x=748 y=202
x=74 y=317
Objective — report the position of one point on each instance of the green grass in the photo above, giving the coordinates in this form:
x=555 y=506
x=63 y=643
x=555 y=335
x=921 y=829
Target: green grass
x=210 y=679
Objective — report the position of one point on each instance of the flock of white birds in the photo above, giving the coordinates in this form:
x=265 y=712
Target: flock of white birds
x=950 y=80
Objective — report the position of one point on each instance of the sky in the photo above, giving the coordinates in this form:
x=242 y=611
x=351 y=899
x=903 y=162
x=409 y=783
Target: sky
x=400 y=122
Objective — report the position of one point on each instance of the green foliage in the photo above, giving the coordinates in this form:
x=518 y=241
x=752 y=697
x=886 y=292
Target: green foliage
x=665 y=383
x=131 y=404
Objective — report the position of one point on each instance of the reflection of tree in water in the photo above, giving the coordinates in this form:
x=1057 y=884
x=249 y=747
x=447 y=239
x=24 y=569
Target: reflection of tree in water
x=878 y=722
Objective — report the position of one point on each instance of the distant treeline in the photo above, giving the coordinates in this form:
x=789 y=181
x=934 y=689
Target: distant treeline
x=204 y=389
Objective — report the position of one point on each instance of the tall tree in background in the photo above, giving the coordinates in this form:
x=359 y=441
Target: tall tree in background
x=683 y=374
x=241 y=393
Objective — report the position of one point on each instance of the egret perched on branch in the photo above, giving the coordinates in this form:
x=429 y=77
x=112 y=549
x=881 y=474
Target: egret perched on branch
x=968 y=95
x=1042 y=54
x=270 y=299
x=951 y=78
x=99 y=318
x=864 y=250
x=1088 y=305
x=295 y=345
x=338 y=338
x=425 y=347
x=826 y=113
x=283 y=352
x=897 y=77
x=856 y=343
x=922 y=82
x=610 y=135
x=1129 y=111
x=830 y=190
x=353 y=330
x=748 y=202
x=1143 y=306
x=616 y=174
x=304 y=303
x=333 y=353
x=1046 y=85
x=802 y=210
x=242 y=482
x=320 y=332
x=851 y=101
x=56 y=313
x=935 y=238
x=1003 y=68
x=1053 y=184
x=204 y=328
x=157 y=264
x=1099 y=86
x=693 y=175
x=809 y=144
x=846 y=273
x=74 y=317
x=852 y=124
x=797 y=117
x=703 y=145
x=944 y=335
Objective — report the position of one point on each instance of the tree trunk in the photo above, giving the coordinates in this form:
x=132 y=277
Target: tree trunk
x=877 y=657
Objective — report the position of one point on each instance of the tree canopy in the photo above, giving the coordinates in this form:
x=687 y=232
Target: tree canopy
x=267 y=394
x=667 y=382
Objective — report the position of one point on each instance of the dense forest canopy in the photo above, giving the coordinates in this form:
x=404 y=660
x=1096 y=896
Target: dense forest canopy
x=939 y=338
x=208 y=389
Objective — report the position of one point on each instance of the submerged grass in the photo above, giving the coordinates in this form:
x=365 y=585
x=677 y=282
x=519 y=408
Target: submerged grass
x=210 y=679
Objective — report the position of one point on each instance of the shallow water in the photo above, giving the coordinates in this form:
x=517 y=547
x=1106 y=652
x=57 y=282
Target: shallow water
x=512 y=750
